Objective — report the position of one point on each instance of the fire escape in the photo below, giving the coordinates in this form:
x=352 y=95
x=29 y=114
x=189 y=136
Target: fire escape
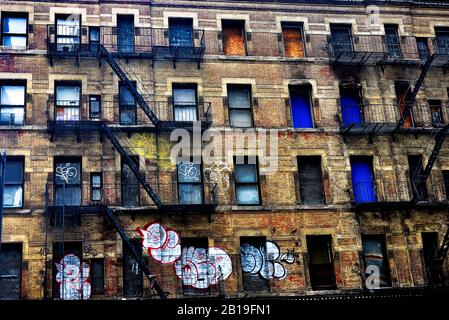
x=143 y=46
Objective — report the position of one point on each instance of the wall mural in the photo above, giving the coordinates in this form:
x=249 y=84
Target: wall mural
x=265 y=261
x=162 y=243
x=73 y=281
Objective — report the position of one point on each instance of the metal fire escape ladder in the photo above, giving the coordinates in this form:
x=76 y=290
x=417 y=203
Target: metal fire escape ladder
x=154 y=285
x=409 y=103
x=106 y=55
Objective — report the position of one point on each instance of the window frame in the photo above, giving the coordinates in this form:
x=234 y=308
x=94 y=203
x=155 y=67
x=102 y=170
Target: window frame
x=171 y=22
x=383 y=240
x=229 y=23
x=437 y=105
x=393 y=30
x=248 y=87
x=62 y=36
x=320 y=168
x=294 y=25
x=257 y=183
x=253 y=241
x=191 y=183
x=97 y=291
x=15 y=183
x=307 y=88
x=64 y=159
x=92 y=188
x=123 y=163
x=332 y=285
x=18 y=82
x=67 y=83
x=342 y=26
x=14 y=14
x=122 y=85
x=193 y=86
x=98 y=97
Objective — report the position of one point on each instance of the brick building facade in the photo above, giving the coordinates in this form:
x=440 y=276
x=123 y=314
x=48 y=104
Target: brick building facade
x=89 y=174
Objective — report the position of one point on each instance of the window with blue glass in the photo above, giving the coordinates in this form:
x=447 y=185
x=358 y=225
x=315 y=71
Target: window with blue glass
x=392 y=40
x=363 y=186
x=190 y=186
x=181 y=32
x=301 y=106
x=127 y=105
x=246 y=181
x=442 y=37
x=67 y=178
x=12 y=102
x=423 y=47
x=14 y=30
x=125 y=33
x=13 y=183
x=351 y=106
x=341 y=39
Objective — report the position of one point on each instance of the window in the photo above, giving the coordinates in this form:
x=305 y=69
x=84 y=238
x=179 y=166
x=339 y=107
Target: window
x=68 y=96
x=375 y=256
x=95 y=107
x=430 y=249
x=403 y=93
x=97 y=275
x=14 y=183
x=419 y=187
x=125 y=33
x=239 y=101
x=12 y=102
x=446 y=183
x=94 y=37
x=310 y=180
x=181 y=32
x=190 y=186
x=14 y=30
x=436 y=112
x=130 y=184
x=351 y=104
x=341 y=39
x=301 y=106
x=423 y=48
x=292 y=35
x=68 y=33
x=321 y=265
x=95 y=186
x=132 y=273
x=442 y=37
x=234 y=42
x=128 y=110
x=67 y=181
x=61 y=289
x=392 y=40
x=253 y=255
x=185 y=102
x=11 y=271
x=194 y=272
x=363 y=186
x=247 y=182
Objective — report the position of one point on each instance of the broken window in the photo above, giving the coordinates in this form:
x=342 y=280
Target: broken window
x=341 y=39
x=423 y=48
x=392 y=40
x=194 y=266
x=12 y=102
x=125 y=33
x=14 y=30
x=132 y=273
x=68 y=35
x=10 y=271
x=94 y=107
x=95 y=186
x=301 y=106
x=253 y=255
x=190 y=186
x=442 y=39
x=430 y=250
x=375 y=258
x=292 y=34
x=351 y=104
x=127 y=105
x=67 y=177
x=68 y=96
x=239 y=103
x=321 y=266
x=181 y=32
x=130 y=184
x=13 y=183
x=247 y=182
x=419 y=187
x=436 y=112
x=403 y=93
x=310 y=180
x=185 y=102
x=363 y=186
x=97 y=275
x=234 y=42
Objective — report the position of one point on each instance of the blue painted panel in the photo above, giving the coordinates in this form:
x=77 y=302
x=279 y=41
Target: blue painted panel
x=362 y=180
x=350 y=109
x=301 y=109
x=125 y=30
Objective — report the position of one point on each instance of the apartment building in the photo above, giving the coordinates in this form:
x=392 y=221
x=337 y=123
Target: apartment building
x=351 y=98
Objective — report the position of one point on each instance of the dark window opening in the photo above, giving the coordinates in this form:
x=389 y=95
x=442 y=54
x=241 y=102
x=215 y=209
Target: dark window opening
x=375 y=257
x=185 y=105
x=190 y=184
x=301 y=106
x=442 y=38
x=125 y=33
x=97 y=275
x=94 y=107
x=68 y=97
x=94 y=38
x=392 y=40
x=436 y=112
x=363 y=184
x=403 y=92
x=10 y=271
x=234 y=42
x=423 y=48
x=253 y=253
x=96 y=186
x=196 y=281
x=14 y=30
x=62 y=289
x=430 y=250
x=419 y=187
x=293 y=36
x=239 y=104
x=68 y=35
x=351 y=104
x=132 y=273
x=321 y=265
x=130 y=184
x=247 y=189
x=128 y=109
x=181 y=32
x=13 y=183
x=67 y=178
x=310 y=180
x=341 y=39
x=12 y=102
x=446 y=183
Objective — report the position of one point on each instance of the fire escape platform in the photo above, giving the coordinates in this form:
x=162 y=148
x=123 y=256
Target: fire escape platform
x=378 y=128
x=398 y=205
x=359 y=58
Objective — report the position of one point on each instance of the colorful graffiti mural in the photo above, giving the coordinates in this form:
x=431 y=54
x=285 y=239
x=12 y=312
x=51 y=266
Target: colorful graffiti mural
x=162 y=243
x=265 y=260
x=73 y=280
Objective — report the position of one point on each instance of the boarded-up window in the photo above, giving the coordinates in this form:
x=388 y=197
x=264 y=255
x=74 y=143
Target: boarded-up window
x=181 y=32
x=351 y=107
x=442 y=36
x=194 y=272
x=341 y=39
x=253 y=253
x=234 y=38
x=430 y=248
x=419 y=187
x=301 y=106
x=10 y=271
x=375 y=258
x=63 y=289
x=97 y=275
x=363 y=179
x=321 y=266
x=293 y=40
x=310 y=180
x=132 y=273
